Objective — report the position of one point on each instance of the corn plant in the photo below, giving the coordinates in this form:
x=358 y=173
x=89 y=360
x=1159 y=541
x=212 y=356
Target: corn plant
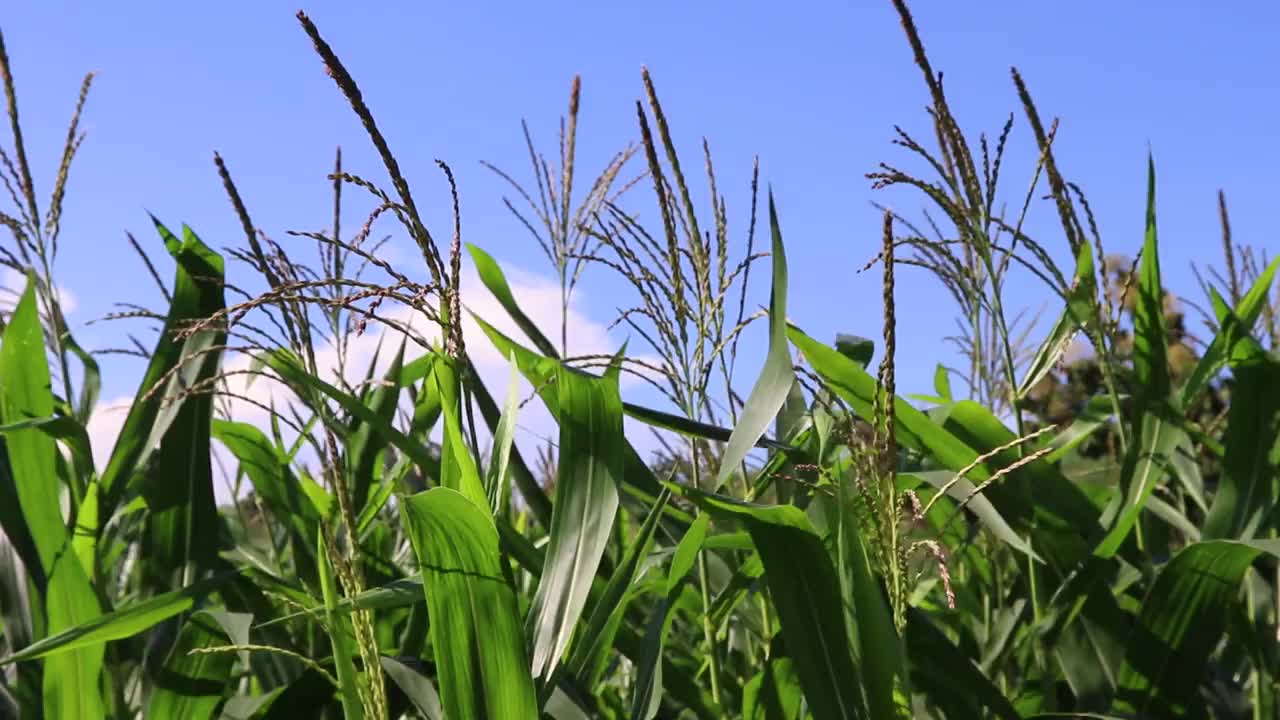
x=1089 y=533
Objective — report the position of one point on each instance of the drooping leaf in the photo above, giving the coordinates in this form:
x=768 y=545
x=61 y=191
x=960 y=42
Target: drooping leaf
x=121 y=623
x=806 y=594
x=496 y=281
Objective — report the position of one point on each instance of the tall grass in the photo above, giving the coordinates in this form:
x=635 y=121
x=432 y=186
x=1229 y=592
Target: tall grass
x=1059 y=534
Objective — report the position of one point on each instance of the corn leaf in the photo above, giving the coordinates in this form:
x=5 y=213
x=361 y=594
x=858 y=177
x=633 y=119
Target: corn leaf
x=776 y=378
x=475 y=631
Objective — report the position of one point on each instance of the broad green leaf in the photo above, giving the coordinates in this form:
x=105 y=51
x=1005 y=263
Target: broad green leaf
x=942 y=383
x=191 y=686
x=1181 y=623
x=877 y=649
x=589 y=469
x=71 y=688
x=174 y=472
x=1150 y=337
x=1150 y=459
x=531 y=491
x=776 y=378
x=25 y=395
x=540 y=372
x=197 y=294
x=475 y=630
x=856 y=348
x=1246 y=494
x=806 y=595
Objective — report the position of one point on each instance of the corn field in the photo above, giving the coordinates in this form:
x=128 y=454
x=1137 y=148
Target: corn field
x=1080 y=521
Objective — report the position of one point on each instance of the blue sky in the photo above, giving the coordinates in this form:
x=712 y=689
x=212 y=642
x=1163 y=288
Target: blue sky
x=814 y=89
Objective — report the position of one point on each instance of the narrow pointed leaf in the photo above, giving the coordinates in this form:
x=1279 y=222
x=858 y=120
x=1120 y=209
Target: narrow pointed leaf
x=770 y=391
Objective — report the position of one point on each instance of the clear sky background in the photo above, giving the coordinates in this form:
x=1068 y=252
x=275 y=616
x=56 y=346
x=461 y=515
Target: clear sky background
x=813 y=88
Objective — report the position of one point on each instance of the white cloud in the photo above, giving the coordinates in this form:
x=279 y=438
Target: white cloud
x=16 y=282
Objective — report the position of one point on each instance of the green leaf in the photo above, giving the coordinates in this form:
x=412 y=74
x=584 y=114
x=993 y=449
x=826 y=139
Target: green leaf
x=540 y=372
x=34 y=520
x=878 y=650
x=475 y=631
x=589 y=469
x=197 y=294
x=365 y=443
x=70 y=685
x=341 y=637
x=503 y=436
x=174 y=472
x=1156 y=437
x=770 y=391
x=71 y=679
x=1150 y=459
x=774 y=693
x=493 y=278
x=942 y=383
x=417 y=687
x=191 y=686
x=1150 y=338
x=1222 y=346
x=588 y=659
x=806 y=594
x=275 y=484
x=1181 y=623
x=856 y=348
x=948 y=677
x=457 y=465
x=1079 y=313
x=1246 y=494
x=647 y=691
x=121 y=623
